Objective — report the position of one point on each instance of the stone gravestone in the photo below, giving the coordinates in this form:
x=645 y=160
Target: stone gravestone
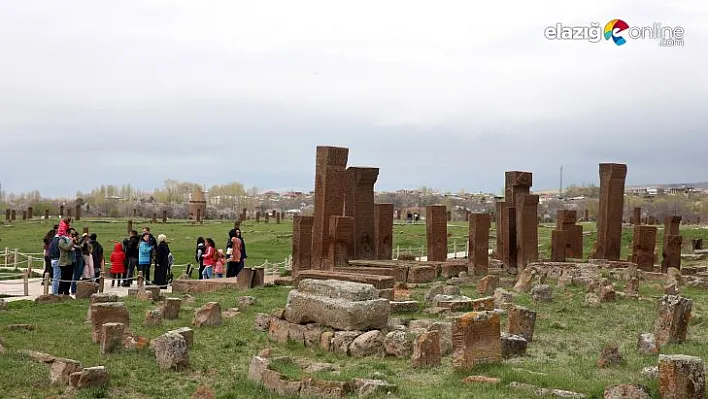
x=30 y=212
x=436 y=232
x=330 y=178
x=498 y=223
x=476 y=339
x=267 y=217
x=359 y=204
x=609 y=220
x=643 y=247
x=24 y=215
x=8 y=214
x=565 y=221
x=516 y=184
x=478 y=258
x=277 y=218
x=61 y=211
x=46 y=214
x=558 y=245
x=302 y=243
x=341 y=235
x=526 y=229
x=164 y=216
x=383 y=231
x=13 y=215
x=78 y=212
x=130 y=226
x=671 y=250
x=637 y=216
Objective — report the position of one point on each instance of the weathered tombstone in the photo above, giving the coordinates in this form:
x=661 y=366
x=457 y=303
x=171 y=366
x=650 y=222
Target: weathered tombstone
x=449 y=216
x=13 y=215
x=7 y=214
x=108 y=312
x=46 y=214
x=341 y=234
x=521 y=321
x=24 y=215
x=516 y=184
x=359 y=204
x=558 y=245
x=112 y=337
x=171 y=308
x=436 y=232
x=526 y=228
x=643 y=247
x=61 y=211
x=426 y=350
x=258 y=216
x=302 y=243
x=130 y=226
x=672 y=324
x=498 y=223
x=587 y=215
x=30 y=212
x=476 y=339
x=78 y=212
x=383 y=231
x=681 y=377
x=671 y=250
x=277 y=218
x=135 y=212
x=565 y=221
x=267 y=217
x=330 y=180
x=164 y=216
x=609 y=220
x=479 y=224
x=154 y=218
x=199 y=215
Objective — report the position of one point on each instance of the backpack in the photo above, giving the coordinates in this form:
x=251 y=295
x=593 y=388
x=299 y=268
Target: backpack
x=54 y=248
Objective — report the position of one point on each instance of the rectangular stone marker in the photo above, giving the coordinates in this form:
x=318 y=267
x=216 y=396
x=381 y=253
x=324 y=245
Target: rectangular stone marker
x=130 y=226
x=681 y=377
x=46 y=214
x=78 y=212
x=521 y=321
x=30 y=212
x=359 y=204
x=671 y=253
x=258 y=216
x=526 y=229
x=267 y=217
x=509 y=254
x=436 y=232
x=479 y=243
x=643 y=246
x=587 y=215
x=154 y=217
x=330 y=174
x=383 y=231
x=558 y=245
x=609 y=219
x=112 y=337
x=671 y=325
x=565 y=221
x=24 y=215
x=341 y=234
x=7 y=214
x=671 y=249
x=476 y=339
x=13 y=215
x=302 y=243
x=498 y=223
x=637 y=216
x=277 y=218
x=164 y=216
x=61 y=211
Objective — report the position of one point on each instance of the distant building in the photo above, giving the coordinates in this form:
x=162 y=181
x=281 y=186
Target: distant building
x=197 y=205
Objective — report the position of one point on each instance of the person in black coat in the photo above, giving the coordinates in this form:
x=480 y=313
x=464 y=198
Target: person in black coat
x=162 y=261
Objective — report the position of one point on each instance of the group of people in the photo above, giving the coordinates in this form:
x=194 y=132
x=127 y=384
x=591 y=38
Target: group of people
x=213 y=262
x=70 y=257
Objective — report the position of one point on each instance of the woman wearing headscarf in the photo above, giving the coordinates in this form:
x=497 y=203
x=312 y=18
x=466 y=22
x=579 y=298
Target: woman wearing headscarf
x=162 y=261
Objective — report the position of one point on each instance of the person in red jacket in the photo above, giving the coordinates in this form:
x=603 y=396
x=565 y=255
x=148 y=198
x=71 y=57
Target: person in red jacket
x=210 y=258
x=118 y=261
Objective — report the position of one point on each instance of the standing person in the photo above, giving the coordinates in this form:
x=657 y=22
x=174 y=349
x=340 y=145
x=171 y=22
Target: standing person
x=66 y=263
x=131 y=251
x=243 y=249
x=99 y=260
x=162 y=261
x=153 y=253
x=210 y=256
x=199 y=255
x=87 y=254
x=118 y=264
x=144 y=253
x=54 y=255
x=234 y=259
x=47 y=259
x=219 y=265
x=79 y=247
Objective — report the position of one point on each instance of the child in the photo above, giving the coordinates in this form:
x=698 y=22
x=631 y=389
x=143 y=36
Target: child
x=219 y=265
x=118 y=262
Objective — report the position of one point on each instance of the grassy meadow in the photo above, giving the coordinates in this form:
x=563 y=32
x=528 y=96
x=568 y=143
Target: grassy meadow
x=568 y=340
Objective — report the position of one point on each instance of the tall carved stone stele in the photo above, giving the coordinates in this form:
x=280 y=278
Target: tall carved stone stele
x=671 y=250
x=302 y=243
x=526 y=229
x=383 y=231
x=330 y=174
x=341 y=236
x=478 y=259
x=609 y=218
x=516 y=184
x=436 y=232
x=359 y=204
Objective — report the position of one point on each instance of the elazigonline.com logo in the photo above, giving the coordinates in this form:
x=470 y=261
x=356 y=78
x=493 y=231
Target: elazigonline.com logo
x=619 y=31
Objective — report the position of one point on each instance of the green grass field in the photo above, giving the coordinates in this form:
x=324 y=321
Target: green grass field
x=569 y=334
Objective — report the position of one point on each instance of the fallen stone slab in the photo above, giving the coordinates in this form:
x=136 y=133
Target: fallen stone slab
x=627 y=391
x=61 y=370
x=90 y=377
x=170 y=351
x=543 y=392
x=404 y=306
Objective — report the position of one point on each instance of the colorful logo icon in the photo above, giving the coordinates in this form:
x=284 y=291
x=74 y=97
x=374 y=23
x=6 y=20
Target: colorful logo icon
x=619 y=25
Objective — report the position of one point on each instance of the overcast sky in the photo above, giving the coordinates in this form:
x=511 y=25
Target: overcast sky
x=446 y=94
